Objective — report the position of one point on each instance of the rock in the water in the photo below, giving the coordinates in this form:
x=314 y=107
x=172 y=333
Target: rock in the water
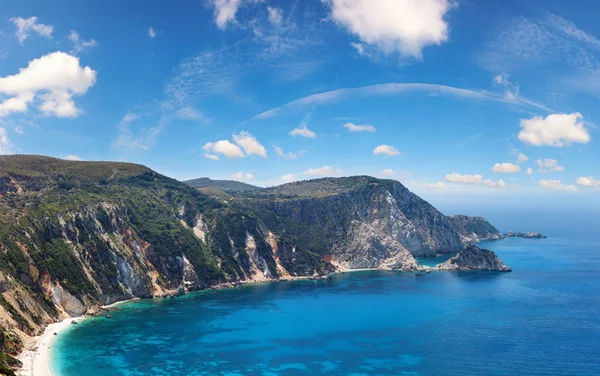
x=526 y=235
x=474 y=258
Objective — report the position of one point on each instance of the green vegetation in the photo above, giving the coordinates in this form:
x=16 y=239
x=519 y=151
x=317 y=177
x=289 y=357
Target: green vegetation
x=225 y=185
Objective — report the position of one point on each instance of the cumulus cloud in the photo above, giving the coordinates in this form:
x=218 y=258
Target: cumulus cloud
x=438 y=185
x=385 y=150
x=243 y=140
x=303 y=131
x=474 y=180
x=394 y=26
x=26 y=26
x=464 y=179
x=529 y=171
x=6 y=147
x=359 y=128
x=588 y=181
x=388 y=172
x=72 y=157
x=495 y=184
x=79 y=44
x=506 y=168
x=549 y=165
x=283 y=154
x=323 y=171
x=275 y=16
x=54 y=78
x=242 y=176
x=249 y=144
x=556 y=185
x=288 y=178
x=557 y=130
x=223 y=147
x=522 y=158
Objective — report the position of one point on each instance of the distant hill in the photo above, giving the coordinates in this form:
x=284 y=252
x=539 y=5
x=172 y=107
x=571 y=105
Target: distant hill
x=225 y=185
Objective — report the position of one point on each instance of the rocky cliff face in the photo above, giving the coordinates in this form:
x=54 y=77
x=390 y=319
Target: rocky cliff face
x=75 y=235
x=364 y=222
x=474 y=258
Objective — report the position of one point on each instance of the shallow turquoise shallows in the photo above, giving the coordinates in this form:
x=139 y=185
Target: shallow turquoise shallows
x=541 y=319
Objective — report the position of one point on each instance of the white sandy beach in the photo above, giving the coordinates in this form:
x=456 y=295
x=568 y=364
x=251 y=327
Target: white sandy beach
x=35 y=357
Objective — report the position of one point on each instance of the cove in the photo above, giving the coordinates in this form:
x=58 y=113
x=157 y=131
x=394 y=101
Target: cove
x=541 y=319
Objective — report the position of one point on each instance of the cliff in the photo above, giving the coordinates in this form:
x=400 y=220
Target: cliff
x=75 y=235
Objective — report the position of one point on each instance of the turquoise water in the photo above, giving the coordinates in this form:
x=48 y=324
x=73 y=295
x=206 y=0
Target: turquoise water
x=541 y=319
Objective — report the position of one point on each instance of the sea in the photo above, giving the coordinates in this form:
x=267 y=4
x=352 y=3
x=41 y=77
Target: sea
x=541 y=319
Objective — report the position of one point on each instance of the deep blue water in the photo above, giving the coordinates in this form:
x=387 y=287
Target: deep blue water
x=541 y=319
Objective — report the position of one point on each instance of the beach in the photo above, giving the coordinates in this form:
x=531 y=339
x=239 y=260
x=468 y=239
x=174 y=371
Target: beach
x=35 y=356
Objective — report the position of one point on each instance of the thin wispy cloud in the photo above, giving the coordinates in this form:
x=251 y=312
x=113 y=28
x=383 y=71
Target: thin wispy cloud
x=392 y=89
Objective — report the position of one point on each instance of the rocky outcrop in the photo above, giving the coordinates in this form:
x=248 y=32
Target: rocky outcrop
x=526 y=235
x=474 y=258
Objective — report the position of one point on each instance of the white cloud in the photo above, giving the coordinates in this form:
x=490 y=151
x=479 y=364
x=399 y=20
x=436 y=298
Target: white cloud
x=6 y=147
x=385 y=150
x=506 y=168
x=211 y=156
x=390 y=89
x=78 y=44
x=555 y=130
x=72 y=157
x=394 y=26
x=242 y=176
x=499 y=184
x=323 y=171
x=288 y=178
x=360 y=49
x=249 y=144
x=359 y=128
x=223 y=147
x=525 y=44
x=225 y=11
x=127 y=142
x=55 y=78
x=556 y=185
x=464 y=179
x=283 y=154
x=303 y=131
x=25 y=26
x=190 y=113
x=549 y=165
x=438 y=185
x=152 y=33
x=275 y=16
x=588 y=181
x=529 y=171
x=388 y=172
x=522 y=158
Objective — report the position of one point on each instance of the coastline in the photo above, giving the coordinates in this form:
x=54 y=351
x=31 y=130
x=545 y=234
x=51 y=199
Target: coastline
x=35 y=357
x=36 y=354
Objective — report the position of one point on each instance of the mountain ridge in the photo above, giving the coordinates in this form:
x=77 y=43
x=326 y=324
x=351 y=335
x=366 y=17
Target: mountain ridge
x=77 y=235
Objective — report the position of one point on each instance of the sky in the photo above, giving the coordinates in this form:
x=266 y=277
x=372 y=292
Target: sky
x=465 y=102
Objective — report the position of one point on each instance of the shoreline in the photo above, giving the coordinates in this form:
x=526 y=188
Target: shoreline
x=35 y=358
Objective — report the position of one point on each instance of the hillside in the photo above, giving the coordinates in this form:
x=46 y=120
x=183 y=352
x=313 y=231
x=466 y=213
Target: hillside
x=225 y=185
x=76 y=235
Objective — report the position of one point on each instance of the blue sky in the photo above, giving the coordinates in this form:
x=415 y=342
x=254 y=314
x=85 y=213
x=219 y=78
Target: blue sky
x=495 y=100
